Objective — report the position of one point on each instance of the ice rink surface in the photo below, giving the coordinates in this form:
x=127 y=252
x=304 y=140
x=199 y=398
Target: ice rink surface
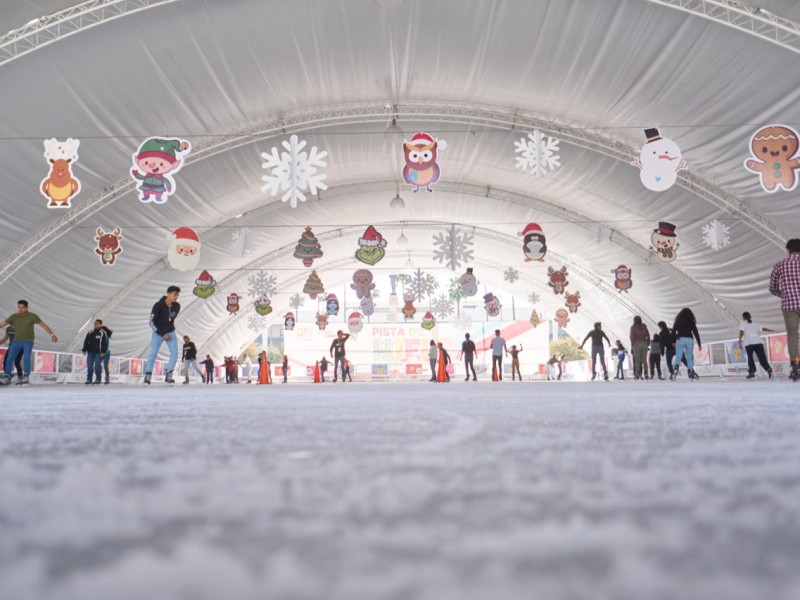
x=460 y=491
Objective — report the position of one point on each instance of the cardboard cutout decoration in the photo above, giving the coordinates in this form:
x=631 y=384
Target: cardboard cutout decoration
x=659 y=161
x=367 y=306
x=205 y=285
x=622 y=278
x=665 y=242
x=408 y=308
x=572 y=301
x=558 y=279
x=108 y=247
x=155 y=164
x=288 y=321
x=393 y=301
x=372 y=246
x=428 y=321
x=262 y=305
x=60 y=186
x=232 y=306
x=774 y=149
x=313 y=286
x=332 y=305
x=308 y=248
x=322 y=321
x=468 y=283
x=534 y=245
x=183 y=253
x=562 y=318
x=491 y=304
x=362 y=283
x=420 y=154
x=355 y=323
x=536 y=318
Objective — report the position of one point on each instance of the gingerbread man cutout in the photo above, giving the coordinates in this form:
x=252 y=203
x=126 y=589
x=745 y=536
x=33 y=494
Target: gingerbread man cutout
x=774 y=149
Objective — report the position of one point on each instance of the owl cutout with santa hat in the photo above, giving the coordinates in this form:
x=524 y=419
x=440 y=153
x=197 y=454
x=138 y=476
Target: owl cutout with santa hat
x=183 y=253
x=534 y=245
x=420 y=154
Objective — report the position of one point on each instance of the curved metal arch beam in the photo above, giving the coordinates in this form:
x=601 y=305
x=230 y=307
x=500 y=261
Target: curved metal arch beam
x=304 y=121
x=750 y=20
x=48 y=29
x=509 y=240
x=527 y=202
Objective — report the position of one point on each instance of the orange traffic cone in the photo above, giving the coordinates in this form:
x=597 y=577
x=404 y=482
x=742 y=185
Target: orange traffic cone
x=441 y=373
x=263 y=372
x=316 y=372
x=494 y=373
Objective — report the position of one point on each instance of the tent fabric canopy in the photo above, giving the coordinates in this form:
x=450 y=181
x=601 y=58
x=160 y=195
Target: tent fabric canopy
x=238 y=78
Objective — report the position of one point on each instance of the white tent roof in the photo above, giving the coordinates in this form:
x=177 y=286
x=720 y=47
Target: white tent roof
x=236 y=78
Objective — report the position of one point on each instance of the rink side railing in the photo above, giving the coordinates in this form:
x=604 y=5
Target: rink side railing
x=717 y=359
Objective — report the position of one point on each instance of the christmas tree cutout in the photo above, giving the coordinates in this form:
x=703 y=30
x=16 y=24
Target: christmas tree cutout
x=313 y=286
x=308 y=248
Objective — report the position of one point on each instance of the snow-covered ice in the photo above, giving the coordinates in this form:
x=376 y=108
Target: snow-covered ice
x=406 y=491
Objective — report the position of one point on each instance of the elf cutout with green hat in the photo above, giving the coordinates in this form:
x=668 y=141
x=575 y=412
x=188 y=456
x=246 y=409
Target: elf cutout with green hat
x=154 y=165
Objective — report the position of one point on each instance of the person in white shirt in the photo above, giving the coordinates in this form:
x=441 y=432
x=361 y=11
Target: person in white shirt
x=750 y=340
x=498 y=348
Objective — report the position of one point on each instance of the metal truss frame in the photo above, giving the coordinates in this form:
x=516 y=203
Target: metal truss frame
x=305 y=121
x=747 y=19
x=50 y=28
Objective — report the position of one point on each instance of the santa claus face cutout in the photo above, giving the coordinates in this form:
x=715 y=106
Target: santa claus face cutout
x=183 y=253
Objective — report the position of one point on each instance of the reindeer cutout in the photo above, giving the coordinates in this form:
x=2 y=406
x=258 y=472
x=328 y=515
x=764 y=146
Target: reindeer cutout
x=108 y=246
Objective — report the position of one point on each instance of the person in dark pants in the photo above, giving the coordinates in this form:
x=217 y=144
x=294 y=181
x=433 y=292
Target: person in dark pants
x=285 y=368
x=667 y=343
x=7 y=360
x=433 y=355
x=347 y=370
x=750 y=340
x=323 y=367
x=208 y=363
x=107 y=356
x=337 y=352
x=598 y=349
x=498 y=345
x=469 y=353
x=95 y=345
x=446 y=358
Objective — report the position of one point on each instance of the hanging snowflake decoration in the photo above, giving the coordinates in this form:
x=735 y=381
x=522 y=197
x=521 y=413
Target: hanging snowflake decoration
x=716 y=235
x=511 y=275
x=421 y=285
x=242 y=241
x=255 y=323
x=262 y=283
x=293 y=171
x=297 y=301
x=538 y=152
x=599 y=233
x=442 y=306
x=463 y=321
x=453 y=248
x=533 y=298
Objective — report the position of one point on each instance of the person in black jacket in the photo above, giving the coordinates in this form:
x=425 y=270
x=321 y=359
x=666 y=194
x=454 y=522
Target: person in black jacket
x=598 y=349
x=95 y=345
x=190 y=359
x=208 y=363
x=667 y=345
x=162 y=322
x=106 y=358
x=683 y=329
x=337 y=352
